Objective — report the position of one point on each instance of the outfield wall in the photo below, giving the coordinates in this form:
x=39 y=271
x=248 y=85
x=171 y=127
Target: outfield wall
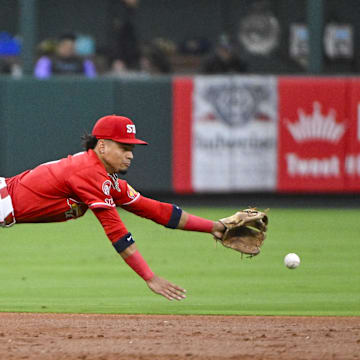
x=215 y=134
x=44 y=120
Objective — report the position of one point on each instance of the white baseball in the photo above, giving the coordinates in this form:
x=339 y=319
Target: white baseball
x=292 y=261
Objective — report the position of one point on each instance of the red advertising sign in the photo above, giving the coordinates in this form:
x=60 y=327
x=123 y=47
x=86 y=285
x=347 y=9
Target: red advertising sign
x=312 y=131
x=352 y=160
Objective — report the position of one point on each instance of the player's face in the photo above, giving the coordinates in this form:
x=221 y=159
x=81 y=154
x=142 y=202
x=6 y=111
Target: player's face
x=116 y=156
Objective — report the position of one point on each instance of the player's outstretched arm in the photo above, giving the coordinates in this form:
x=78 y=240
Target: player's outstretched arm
x=158 y=285
x=195 y=223
x=125 y=246
x=172 y=216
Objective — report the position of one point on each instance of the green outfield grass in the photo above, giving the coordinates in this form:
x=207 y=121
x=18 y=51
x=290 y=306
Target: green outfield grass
x=72 y=267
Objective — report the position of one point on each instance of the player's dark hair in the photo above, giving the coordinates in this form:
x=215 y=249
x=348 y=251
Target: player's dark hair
x=89 y=141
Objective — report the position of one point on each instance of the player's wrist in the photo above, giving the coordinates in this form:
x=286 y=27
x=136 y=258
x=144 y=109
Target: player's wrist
x=196 y=223
x=139 y=265
x=218 y=227
x=154 y=276
x=218 y=230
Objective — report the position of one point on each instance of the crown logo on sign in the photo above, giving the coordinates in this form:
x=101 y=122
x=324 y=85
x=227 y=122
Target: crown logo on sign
x=316 y=126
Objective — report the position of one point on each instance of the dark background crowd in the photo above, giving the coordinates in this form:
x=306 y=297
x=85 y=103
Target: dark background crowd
x=132 y=37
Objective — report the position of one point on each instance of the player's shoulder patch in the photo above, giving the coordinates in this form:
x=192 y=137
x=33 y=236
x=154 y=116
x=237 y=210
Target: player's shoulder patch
x=127 y=195
x=131 y=192
x=106 y=187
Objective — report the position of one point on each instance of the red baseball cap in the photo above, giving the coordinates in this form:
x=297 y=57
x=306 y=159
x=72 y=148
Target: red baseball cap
x=117 y=128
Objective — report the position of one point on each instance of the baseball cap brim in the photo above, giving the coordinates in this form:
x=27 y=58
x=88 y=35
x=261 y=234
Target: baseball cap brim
x=124 y=140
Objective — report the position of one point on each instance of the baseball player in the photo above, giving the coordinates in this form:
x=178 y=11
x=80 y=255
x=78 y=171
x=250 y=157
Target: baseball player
x=64 y=189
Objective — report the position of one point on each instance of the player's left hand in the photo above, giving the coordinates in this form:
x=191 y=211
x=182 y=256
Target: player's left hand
x=165 y=288
x=218 y=230
x=245 y=231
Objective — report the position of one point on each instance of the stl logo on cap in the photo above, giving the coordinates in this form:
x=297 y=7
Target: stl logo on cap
x=117 y=128
x=131 y=129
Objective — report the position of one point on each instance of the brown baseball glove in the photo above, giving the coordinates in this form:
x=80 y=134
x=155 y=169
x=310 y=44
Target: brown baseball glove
x=245 y=231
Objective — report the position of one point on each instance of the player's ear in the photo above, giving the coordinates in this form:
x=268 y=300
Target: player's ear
x=101 y=146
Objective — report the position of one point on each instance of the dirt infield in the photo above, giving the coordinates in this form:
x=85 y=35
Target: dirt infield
x=135 y=337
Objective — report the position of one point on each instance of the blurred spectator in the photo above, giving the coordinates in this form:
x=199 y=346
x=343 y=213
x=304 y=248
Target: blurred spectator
x=5 y=67
x=64 y=60
x=224 y=59
x=9 y=54
x=9 y=45
x=47 y=47
x=117 y=68
x=84 y=45
x=155 y=58
x=124 y=42
x=195 y=46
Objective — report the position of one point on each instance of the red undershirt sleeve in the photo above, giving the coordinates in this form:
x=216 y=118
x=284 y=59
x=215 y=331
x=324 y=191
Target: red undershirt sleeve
x=160 y=212
x=121 y=239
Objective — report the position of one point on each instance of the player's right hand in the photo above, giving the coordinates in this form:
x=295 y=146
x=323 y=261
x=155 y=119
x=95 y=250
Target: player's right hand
x=165 y=288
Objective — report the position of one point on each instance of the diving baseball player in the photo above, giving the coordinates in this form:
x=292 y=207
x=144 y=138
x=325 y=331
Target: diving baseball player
x=65 y=189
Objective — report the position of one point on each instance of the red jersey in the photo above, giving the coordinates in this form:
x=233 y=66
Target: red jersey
x=64 y=189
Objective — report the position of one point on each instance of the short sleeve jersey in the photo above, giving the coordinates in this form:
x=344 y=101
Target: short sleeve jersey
x=64 y=189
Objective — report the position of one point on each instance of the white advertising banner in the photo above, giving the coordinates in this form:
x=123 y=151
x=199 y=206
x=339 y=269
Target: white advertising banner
x=234 y=132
